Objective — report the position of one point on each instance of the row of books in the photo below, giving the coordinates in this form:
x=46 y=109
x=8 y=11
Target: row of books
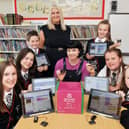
x=12 y=45
x=79 y=31
x=13 y=32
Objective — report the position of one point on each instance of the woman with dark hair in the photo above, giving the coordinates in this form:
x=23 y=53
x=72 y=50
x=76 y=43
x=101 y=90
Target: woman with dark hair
x=72 y=68
x=114 y=68
x=26 y=68
x=10 y=105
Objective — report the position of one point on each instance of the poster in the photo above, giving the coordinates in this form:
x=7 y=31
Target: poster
x=72 y=9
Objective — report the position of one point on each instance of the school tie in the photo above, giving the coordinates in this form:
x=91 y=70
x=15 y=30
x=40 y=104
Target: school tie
x=26 y=76
x=9 y=100
x=113 y=79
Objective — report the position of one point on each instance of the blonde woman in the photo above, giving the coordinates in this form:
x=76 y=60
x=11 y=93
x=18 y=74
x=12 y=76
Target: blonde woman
x=55 y=36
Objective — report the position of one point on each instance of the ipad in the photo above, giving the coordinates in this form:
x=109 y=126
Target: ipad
x=104 y=103
x=100 y=83
x=98 y=49
x=42 y=59
x=37 y=102
x=44 y=83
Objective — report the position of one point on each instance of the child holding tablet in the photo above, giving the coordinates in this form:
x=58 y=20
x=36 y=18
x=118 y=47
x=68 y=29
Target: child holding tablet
x=10 y=105
x=33 y=42
x=103 y=36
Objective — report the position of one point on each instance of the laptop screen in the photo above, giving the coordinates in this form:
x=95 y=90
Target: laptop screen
x=100 y=83
x=105 y=103
x=44 y=83
x=37 y=102
x=98 y=49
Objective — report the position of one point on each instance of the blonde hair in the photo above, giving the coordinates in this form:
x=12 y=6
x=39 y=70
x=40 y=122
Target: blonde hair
x=51 y=26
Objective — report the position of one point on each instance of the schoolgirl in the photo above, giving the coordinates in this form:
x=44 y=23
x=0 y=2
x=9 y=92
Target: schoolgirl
x=114 y=68
x=10 y=105
x=26 y=68
x=103 y=35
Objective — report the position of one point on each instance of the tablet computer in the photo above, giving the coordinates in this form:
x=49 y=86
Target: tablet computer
x=98 y=49
x=100 y=83
x=37 y=102
x=42 y=59
x=104 y=103
x=44 y=83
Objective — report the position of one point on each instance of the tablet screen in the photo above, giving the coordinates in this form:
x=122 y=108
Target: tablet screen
x=98 y=49
x=44 y=83
x=100 y=83
x=104 y=103
x=38 y=102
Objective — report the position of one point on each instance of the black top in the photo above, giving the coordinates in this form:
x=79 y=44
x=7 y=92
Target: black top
x=99 y=60
x=54 y=40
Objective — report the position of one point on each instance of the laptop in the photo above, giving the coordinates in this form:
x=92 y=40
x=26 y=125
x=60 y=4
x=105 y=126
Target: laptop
x=98 y=49
x=44 y=83
x=104 y=103
x=100 y=83
x=37 y=102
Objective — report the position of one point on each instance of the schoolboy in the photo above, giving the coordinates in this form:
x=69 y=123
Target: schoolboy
x=33 y=42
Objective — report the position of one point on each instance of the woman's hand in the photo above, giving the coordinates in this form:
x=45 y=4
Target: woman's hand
x=90 y=69
x=60 y=74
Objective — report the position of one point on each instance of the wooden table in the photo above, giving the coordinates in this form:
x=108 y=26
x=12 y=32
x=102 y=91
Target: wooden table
x=69 y=121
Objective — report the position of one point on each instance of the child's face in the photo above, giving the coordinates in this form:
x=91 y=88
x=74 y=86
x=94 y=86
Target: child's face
x=9 y=78
x=27 y=61
x=103 y=31
x=127 y=77
x=72 y=53
x=113 y=61
x=34 y=42
x=55 y=15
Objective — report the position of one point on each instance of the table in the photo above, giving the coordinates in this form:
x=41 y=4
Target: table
x=69 y=121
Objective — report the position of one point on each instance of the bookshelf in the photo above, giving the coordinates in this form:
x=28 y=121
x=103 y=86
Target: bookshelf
x=83 y=33
x=13 y=39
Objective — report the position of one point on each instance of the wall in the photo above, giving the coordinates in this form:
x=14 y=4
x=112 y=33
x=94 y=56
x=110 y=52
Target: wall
x=123 y=6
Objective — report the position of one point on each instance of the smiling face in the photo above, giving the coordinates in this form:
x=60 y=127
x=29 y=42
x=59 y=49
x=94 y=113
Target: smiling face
x=127 y=77
x=9 y=78
x=103 y=31
x=34 y=42
x=113 y=61
x=73 y=53
x=55 y=16
x=27 y=61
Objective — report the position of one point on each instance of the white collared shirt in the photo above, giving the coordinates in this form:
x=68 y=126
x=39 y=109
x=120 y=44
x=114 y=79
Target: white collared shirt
x=100 y=40
x=5 y=95
x=23 y=73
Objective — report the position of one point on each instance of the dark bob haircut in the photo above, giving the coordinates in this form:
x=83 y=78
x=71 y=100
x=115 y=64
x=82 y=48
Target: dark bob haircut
x=76 y=44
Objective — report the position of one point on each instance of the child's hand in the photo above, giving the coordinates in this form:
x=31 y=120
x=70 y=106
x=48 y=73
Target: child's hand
x=89 y=57
x=90 y=69
x=122 y=94
x=42 y=68
x=60 y=74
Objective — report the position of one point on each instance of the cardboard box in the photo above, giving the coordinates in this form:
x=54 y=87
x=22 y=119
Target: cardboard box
x=70 y=97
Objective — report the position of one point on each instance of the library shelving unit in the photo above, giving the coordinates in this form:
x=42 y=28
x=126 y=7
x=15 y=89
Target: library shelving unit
x=83 y=33
x=13 y=39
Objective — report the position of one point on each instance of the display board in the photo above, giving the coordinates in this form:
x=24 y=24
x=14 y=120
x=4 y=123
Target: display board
x=120 y=29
